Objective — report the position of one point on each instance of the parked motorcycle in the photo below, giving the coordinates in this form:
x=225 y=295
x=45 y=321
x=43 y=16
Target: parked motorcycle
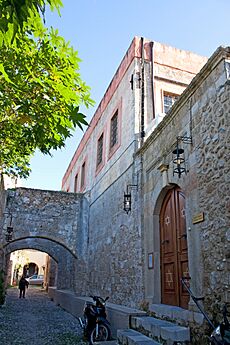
x=94 y=323
x=221 y=333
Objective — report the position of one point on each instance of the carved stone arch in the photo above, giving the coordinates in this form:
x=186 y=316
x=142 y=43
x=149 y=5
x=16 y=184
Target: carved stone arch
x=65 y=259
x=50 y=246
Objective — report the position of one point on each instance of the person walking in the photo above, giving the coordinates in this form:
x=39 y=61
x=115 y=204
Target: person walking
x=23 y=283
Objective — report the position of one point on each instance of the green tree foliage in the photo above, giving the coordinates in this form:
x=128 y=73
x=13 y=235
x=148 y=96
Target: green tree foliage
x=40 y=86
x=20 y=16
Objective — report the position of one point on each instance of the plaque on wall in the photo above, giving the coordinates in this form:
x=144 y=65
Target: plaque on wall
x=199 y=217
x=150 y=260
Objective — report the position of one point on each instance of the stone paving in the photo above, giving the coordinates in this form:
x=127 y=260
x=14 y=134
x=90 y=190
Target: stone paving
x=36 y=320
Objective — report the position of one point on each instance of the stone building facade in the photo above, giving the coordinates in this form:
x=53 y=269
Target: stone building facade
x=128 y=255
x=148 y=81
x=178 y=225
x=202 y=112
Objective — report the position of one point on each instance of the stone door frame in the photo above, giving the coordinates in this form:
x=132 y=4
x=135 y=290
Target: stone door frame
x=152 y=277
x=174 y=249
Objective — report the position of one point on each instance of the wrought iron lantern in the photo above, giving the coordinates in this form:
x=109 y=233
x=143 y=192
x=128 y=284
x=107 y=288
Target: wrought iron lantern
x=128 y=198
x=178 y=158
x=9 y=228
x=127 y=202
x=9 y=233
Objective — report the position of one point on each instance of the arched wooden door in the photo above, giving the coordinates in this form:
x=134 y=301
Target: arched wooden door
x=174 y=252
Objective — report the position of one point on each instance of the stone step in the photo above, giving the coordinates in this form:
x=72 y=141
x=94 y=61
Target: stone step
x=107 y=342
x=131 y=337
x=176 y=314
x=161 y=329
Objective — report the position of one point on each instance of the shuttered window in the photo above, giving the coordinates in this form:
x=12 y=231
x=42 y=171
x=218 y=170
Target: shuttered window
x=100 y=150
x=114 y=130
x=75 y=183
x=83 y=175
x=169 y=100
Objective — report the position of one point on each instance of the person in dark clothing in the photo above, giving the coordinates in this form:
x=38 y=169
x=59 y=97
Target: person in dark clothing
x=23 y=283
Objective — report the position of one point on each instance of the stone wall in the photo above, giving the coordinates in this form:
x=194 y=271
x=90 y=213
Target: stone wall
x=50 y=214
x=52 y=222
x=115 y=245
x=213 y=180
x=203 y=112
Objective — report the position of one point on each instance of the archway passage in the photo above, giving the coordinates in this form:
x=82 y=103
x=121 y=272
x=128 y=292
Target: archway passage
x=174 y=252
x=30 y=269
x=63 y=257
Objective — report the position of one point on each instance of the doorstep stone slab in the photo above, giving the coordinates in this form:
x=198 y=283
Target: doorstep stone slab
x=131 y=337
x=176 y=333
x=150 y=324
x=176 y=313
x=109 y=342
x=120 y=316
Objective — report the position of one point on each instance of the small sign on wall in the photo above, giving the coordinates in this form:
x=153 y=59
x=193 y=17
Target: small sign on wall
x=150 y=260
x=199 y=217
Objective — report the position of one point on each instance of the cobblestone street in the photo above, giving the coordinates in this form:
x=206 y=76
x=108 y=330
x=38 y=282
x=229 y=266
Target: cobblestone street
x=36 y=320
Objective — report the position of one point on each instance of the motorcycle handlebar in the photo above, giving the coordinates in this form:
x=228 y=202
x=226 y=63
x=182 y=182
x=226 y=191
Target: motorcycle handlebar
x=98 y=298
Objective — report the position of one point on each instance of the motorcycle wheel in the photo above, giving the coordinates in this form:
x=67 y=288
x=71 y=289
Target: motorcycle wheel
x=103 y=334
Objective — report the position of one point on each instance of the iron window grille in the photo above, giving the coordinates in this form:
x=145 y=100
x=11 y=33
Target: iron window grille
x=83 y=175
x=169 y=100
x=100 y=150
x=114 y=130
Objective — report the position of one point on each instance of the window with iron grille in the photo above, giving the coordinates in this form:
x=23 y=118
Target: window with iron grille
x=100 y=150
x=169 y=100
x=83 y=175
x=75 y=183
x=114 y=130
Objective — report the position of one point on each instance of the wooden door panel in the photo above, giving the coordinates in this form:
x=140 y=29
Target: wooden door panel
x=169 y=284
x=183 y=272
x=181 y=222
x=174 y=257
x=168 y=241
x=168 y=252
x=182 y=248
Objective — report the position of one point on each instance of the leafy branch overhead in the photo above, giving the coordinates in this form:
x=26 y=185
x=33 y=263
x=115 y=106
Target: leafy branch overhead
x=21 y=16
x=41 y=90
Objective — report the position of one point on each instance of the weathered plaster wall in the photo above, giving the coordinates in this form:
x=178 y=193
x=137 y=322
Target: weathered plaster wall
x=173 y=70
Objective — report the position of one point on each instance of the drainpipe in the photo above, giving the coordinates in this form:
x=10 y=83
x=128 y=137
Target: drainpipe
x=152 y=78
x=141 y=178
x=142 y=93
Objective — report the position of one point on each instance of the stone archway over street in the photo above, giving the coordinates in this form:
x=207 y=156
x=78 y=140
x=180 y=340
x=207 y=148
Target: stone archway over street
x=51 y=222
x=60 y=254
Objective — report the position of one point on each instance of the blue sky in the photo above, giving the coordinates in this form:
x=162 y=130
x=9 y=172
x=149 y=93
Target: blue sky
x=102 y=30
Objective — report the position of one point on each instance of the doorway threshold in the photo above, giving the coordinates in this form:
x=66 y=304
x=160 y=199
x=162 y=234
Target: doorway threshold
x=176 y=314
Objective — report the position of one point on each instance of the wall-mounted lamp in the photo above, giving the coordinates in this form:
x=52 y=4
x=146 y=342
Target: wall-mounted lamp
x=9 y=234
x=128 y=198
x=9 y=231
x=178 y=158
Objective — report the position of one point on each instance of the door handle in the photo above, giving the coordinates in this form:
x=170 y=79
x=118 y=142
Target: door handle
x=182 y=236
x=165 y=241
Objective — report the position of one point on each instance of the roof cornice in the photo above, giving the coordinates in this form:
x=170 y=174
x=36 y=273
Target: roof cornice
x=221 y=53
